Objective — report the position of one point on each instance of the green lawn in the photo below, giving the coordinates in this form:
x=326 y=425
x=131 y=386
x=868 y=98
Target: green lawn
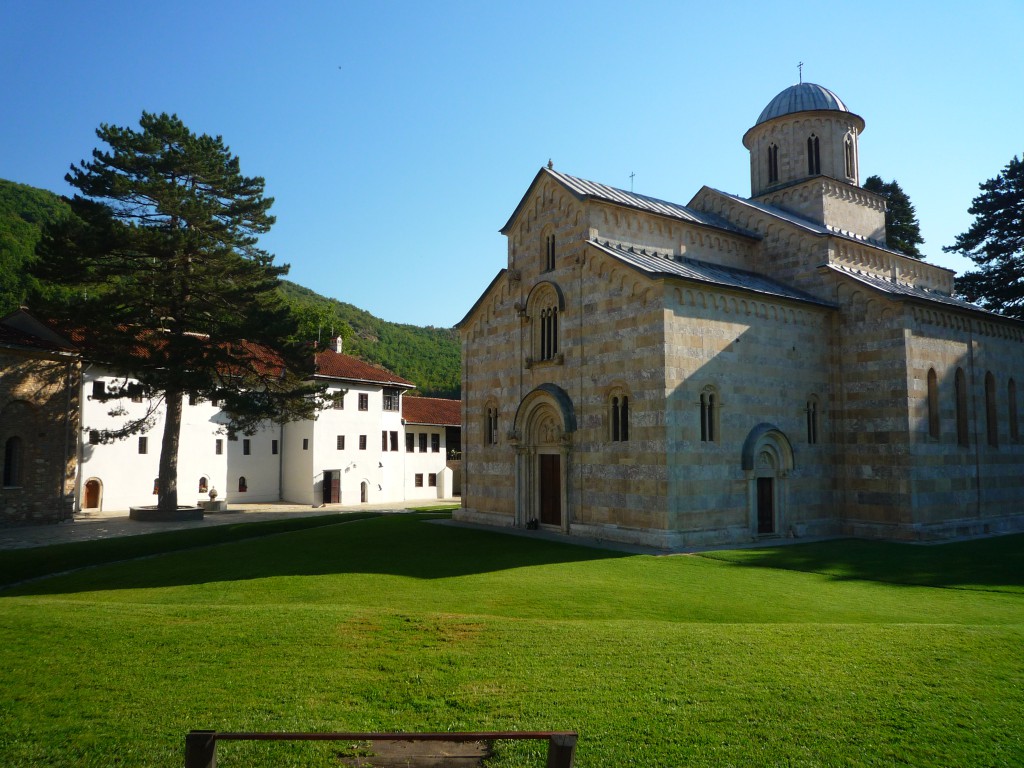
x=841 y=653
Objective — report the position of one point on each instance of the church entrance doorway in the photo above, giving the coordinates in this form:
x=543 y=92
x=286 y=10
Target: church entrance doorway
x=332 y=487
x=550 y=489
x=765 y=505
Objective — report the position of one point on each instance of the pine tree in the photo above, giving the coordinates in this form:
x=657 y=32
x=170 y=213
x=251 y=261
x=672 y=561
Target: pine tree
x=171 y=289
x=995 y=242
x=902 y=229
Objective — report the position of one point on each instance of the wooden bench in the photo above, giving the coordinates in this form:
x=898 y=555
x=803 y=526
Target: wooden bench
x=201 y=746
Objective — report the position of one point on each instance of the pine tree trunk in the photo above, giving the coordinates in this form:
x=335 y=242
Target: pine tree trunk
x=167 y=499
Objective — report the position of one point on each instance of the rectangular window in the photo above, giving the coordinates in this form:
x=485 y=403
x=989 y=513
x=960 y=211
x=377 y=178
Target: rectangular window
x=435 y=442
x=341 y=442
x=135 y=392
x=143 y=444
x=384 y=440
x=432 y=479
x=99 y=390
x=410 y=442
x=338 y=401
x=94 y=437
x=394 y=441
x=219 y=447
x=423 y=442
x=364 y=401
x=273 y=447
x=419 y=480
x=305 y=443
x=246 y=447
x=392 y=400
x=362 y=442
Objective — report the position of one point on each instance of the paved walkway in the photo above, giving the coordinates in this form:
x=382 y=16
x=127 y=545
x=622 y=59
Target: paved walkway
x=107 y=525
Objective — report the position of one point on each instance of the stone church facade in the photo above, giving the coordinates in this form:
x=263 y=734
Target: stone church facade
x=736 y=368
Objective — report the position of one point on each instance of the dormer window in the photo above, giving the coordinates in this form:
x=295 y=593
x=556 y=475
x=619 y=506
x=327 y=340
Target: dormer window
x=773 y=163
x=813 y=156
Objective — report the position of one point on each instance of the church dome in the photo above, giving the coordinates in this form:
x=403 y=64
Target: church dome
x=805 y=97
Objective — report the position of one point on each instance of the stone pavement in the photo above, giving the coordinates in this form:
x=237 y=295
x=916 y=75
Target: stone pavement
x=107 y=525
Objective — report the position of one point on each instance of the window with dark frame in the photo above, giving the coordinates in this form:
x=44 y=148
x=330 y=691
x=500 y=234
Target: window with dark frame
x=13 y=462
x=364 y=401
x=933 y=405
x=392 y=399
x=773 y=163
x=813 y=155
x=305 y=443
x=340 y=442
x=848 y=155
x=549 y=253
x=143 y=444
x=246 y=447
x=620 y=418
x=432 y=480
x=423 y=442
x=94 y=437
x=419 y=480
x=410 y=442
x=435 y=442
x=548 y=330
x=338 y=401
x=218 y=446
x=362 y=442
x=273 y=447
x=384 y=440
x=708 y=403
x=243 y=486
x=812 y=421
x=394 y=440
x=99 y=390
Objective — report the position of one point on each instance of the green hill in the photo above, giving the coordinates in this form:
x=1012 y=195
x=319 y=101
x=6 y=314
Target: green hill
x=429 y=357
x=23 y=212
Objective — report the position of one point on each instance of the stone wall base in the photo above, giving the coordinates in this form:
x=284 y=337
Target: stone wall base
x=964 y=528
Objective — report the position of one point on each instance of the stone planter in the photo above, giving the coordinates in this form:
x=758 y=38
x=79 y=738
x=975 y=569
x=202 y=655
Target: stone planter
x=151 y=514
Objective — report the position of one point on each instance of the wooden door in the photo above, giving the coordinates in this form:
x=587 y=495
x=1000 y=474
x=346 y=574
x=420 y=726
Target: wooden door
x=332 y=488
x=92 y=494
x=765 y=505
x=551 y=489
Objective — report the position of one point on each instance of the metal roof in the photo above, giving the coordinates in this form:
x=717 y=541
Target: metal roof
x=663 y=264
x=804 y=97
x=585 y=189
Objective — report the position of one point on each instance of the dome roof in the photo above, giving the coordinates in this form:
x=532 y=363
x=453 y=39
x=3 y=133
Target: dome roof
x=805 y=97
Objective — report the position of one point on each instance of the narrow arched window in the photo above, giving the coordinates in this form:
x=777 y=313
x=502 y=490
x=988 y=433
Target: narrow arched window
x=619 y=418
x=13 y=462
x=203 y=485
x=773 y=163
x=242 y=485
x=548 y=333
x=962 y=426
x=933 y=404
x=813 y=155
x=708 y=416
x=1011 y=406
x=549 y=253
x=991 y=412
x=848 y=153
x=812 y=420
x=491 y=426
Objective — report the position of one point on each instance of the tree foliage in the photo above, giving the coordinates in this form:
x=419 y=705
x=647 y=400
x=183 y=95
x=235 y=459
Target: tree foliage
x=168 y=286
x=23 y=212
x=995 y=243
x=902 y=229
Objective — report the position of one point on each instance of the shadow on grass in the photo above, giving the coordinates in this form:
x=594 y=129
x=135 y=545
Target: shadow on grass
x=396 y=545
x=993 y=564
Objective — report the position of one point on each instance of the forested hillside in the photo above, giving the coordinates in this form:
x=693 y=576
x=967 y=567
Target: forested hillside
x=23 y=211
x=429 y=357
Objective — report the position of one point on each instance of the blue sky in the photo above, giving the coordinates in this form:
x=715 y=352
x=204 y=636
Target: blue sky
x=396 y=138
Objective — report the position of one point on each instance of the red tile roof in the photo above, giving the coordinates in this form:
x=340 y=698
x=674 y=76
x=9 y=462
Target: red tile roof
x=432 y=410
x=336 y=365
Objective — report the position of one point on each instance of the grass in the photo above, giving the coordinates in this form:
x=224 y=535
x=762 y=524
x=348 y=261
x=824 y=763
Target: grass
x=840 y=653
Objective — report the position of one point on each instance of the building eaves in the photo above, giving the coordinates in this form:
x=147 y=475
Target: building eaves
x=432 y=411
x=340 y=367
x=904 y=291
x=665 y=265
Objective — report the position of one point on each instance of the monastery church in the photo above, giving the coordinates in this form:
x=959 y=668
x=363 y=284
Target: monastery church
x=736 y=369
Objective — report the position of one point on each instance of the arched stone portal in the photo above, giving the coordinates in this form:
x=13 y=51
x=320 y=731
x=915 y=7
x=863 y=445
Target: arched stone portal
x=542 y=436
x=767 y=461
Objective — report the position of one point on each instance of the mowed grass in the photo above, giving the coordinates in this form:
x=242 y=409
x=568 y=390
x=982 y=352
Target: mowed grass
x=840 y=653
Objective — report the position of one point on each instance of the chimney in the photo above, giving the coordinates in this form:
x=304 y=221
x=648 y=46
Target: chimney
x=336 y=346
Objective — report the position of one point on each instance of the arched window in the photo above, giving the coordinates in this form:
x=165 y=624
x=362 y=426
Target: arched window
x=242 y=485
x=549 y=253
x=962 y=426
x=491 y=426
x=848 y=154
x=813 y=156
x=991 y=413
x=1011 y=404
x=812 y=420
x=204 y=485
x=773 y=163
x=933 y=404
x=619 y=418
x=709 y=415
x=548 y=332
x=13 y=462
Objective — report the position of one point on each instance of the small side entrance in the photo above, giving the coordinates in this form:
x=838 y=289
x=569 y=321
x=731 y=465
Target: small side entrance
x=765 y=505
x=550 y=489
x=364 y=492
x=332 y=487
x=93 y=491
